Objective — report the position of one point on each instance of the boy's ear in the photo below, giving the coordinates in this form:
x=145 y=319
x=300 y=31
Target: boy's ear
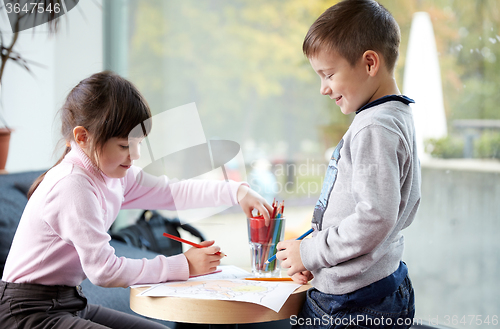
x=371 y=61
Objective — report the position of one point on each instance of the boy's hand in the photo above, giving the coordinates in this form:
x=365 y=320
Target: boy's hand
x=203 y=260
x=250 y=200
x=302 y=277
x=289 y=255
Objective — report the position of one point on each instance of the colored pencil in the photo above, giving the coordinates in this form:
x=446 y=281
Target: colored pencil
x=275 y=238
x=305 y=234
x=195 y=276
x=273 y=215
x=299 y=238
x=269 y=279
x=176 y=238
x=274 y=231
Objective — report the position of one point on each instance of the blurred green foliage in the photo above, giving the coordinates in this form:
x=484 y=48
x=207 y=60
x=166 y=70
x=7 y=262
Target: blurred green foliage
x=447 y=147
x=488 y=145
x=241 y=61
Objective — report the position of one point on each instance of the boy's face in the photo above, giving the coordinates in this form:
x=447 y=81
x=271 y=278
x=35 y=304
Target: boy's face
x=348 y=85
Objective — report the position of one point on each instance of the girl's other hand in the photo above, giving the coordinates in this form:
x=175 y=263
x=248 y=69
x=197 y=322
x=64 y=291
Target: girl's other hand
x=203 y=260
x=250 y=200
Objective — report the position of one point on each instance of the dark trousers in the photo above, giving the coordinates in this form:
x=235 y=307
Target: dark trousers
x=393 y=311
x=34 y=306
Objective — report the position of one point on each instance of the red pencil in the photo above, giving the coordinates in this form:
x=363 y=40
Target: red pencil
x=273 y=215
x=176 y=238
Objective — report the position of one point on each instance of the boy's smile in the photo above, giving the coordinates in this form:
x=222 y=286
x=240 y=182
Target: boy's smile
x=350 y=86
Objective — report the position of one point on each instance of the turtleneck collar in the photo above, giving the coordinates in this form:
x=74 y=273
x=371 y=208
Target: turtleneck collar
x=78 y=157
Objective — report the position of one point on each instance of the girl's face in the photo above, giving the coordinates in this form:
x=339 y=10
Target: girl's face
x=117 y=156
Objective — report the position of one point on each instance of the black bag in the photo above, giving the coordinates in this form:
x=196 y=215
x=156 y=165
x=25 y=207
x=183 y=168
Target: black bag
x=147 y=233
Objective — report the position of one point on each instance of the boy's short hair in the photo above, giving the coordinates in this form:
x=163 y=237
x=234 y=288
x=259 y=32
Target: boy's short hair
x=352 y=27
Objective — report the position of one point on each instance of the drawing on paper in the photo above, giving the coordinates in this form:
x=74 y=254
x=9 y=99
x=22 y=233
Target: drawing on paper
x=269 y=294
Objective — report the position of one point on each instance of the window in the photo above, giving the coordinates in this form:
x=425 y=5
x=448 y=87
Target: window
x=241 y=63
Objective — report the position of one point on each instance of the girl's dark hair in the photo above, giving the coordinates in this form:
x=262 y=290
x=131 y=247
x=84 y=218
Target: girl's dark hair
x=352 y=27
x=107 y=106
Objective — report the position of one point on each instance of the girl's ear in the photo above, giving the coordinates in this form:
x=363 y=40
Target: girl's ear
x=81 y=136
x=372 y=63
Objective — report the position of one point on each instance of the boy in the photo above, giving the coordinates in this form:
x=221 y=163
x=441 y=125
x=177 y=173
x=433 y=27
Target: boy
x=372 y=186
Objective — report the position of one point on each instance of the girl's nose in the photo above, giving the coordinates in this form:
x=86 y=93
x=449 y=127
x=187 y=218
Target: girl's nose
x=134 y=151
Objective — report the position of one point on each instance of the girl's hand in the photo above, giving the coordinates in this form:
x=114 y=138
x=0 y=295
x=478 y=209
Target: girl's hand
x=250 y=200
x=302 y=277
x=289 y=254
x=203 y=260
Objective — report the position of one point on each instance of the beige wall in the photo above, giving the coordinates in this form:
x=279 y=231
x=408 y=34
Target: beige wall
x=30 y=101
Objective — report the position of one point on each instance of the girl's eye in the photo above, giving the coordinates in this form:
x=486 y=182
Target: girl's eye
x=329 y=76
x=124 y=147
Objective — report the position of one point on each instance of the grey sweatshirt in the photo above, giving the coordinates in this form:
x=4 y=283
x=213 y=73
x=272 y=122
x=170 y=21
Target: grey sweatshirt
x=370 y=193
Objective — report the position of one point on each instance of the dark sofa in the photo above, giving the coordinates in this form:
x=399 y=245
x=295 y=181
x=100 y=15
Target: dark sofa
x=13 y=190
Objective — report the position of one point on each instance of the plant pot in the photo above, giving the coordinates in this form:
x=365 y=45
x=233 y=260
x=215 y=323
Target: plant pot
x=4 y=146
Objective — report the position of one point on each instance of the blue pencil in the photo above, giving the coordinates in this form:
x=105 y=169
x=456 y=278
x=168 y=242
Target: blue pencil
x=276 y=236
x=299 y=238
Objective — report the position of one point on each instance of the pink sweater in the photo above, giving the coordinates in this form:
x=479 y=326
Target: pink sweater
x=62 y=236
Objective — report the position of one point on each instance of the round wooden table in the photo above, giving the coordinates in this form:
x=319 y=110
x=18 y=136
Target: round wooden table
x=214 y=312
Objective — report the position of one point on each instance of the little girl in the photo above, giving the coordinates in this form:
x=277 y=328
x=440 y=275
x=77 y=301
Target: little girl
x=62 y=236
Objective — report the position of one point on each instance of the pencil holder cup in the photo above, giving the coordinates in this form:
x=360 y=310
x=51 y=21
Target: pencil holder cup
x=263 y=241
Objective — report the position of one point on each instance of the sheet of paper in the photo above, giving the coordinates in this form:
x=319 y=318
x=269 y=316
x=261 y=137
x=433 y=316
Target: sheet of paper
x=228 y=272
x=266 y=293
x=224 y=272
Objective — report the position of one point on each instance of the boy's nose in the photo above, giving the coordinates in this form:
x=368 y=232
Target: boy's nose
x=324 y=89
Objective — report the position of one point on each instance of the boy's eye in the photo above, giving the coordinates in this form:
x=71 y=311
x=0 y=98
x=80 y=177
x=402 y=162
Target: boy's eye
x=328 y=76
